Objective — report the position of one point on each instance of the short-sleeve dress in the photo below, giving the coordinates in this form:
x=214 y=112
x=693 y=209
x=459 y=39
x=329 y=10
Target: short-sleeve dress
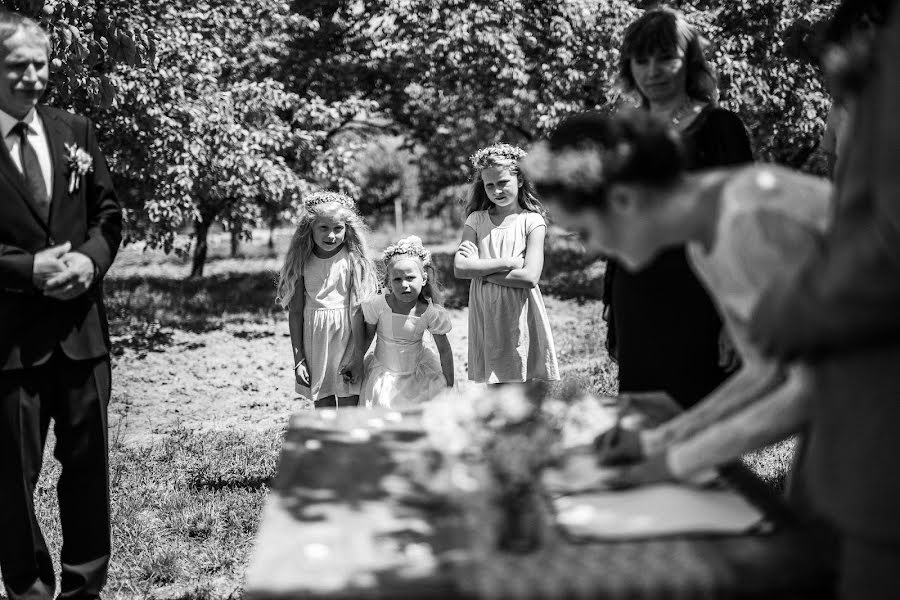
x=401 y=371
x=326 y=325
x=509 y=332
x=771 y=220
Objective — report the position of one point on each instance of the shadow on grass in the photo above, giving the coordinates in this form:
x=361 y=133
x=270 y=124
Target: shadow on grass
x=140 y=309
x=220 y=484
x=144 y=308
x=177 y=536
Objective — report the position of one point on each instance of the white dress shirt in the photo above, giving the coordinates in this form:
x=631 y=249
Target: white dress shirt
x=37 y=137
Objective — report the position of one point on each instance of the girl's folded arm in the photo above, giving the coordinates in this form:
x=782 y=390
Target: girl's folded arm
x=530 y=273
x=467 y=264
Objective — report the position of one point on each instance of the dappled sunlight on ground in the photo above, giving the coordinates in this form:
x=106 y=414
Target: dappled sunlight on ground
x=214 y=353
x=237 y=374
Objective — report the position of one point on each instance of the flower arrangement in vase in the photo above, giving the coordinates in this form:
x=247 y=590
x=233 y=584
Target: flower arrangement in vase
x=504 y=437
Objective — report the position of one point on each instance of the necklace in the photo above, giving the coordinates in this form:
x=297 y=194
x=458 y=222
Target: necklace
x=688 y=109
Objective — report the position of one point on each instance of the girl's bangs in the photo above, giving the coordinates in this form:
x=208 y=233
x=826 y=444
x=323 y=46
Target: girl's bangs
x=497 y=162
x=660 y=34
x=332 y=210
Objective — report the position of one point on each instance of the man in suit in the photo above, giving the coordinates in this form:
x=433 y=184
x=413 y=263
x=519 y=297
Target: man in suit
x=60 y=228
x=841 y=315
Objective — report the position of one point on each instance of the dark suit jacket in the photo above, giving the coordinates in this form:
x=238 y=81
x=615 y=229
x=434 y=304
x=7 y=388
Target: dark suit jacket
x=32 y=325
x=841 y=314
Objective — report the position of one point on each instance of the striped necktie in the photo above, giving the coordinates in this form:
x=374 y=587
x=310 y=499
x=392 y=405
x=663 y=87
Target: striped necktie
x=31 y=169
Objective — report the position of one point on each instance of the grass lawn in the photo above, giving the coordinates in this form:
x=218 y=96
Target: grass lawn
x=201 y=395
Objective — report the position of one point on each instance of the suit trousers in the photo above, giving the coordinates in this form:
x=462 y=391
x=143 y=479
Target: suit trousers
x=75 y=394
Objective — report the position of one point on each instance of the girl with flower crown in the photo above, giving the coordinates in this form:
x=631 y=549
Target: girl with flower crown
x=325 y=274
x=502 y=252
x=402 y=371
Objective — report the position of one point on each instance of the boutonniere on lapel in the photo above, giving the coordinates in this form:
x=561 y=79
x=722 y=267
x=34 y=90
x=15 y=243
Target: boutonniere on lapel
x=80 y=164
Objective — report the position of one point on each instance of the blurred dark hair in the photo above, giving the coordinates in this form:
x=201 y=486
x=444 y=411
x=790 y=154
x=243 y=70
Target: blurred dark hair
x=805 y=40
x=850 y=57
x=661 y=31
x=643 y=150
x=852 y=13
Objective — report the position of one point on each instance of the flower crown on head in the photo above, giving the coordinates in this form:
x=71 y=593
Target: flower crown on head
x=317 y=198
x=502 y=150
x=585 y=167
x=411 y=246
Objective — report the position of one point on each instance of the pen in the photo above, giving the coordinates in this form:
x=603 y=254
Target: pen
x=623 y=403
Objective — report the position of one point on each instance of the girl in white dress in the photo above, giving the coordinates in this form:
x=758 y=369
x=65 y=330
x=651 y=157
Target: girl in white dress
x=402 y=371
x=502 y=252
x=325 y=273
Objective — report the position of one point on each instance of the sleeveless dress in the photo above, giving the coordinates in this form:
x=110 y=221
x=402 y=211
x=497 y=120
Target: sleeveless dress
x=326 y=325
x=509 y=332
x=402 y=372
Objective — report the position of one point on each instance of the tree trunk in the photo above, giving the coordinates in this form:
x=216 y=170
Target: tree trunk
x=235 y=242
x=273 y=223
x=398 y=216
x=201 y=231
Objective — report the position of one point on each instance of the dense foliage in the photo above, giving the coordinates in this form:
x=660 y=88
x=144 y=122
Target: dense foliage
x=781 y=99
x=88 y=41
x=461 y=74
x=229 y=111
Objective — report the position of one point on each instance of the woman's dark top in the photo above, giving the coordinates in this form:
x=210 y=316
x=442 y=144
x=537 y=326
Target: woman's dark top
x=663 y=327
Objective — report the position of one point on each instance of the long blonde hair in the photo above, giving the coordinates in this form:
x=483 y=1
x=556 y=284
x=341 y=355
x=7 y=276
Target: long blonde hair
x=363 y=279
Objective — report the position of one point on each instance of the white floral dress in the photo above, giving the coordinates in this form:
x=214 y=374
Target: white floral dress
x=402 y=371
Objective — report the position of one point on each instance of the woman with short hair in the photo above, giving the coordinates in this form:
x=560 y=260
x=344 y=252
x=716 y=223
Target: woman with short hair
x=664 y=330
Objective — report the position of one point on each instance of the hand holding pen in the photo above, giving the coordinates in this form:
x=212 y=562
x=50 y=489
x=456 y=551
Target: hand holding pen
x=619 y=445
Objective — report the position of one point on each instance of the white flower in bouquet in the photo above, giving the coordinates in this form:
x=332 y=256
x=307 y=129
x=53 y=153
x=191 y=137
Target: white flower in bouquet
x=580 y=419
x=512 y=405
x=451 y=422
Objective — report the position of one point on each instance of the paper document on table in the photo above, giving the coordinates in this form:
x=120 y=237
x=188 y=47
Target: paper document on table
x=656 y=511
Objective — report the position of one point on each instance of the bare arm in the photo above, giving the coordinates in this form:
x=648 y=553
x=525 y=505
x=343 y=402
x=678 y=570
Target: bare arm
x=358 y=329
x=530 y=273
x=352 y=360
x=446 y=354
x=295 y=322
x=368 y=336
x=773 y=417
x=295 y=326
x=754 y=380
x=467 y=264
